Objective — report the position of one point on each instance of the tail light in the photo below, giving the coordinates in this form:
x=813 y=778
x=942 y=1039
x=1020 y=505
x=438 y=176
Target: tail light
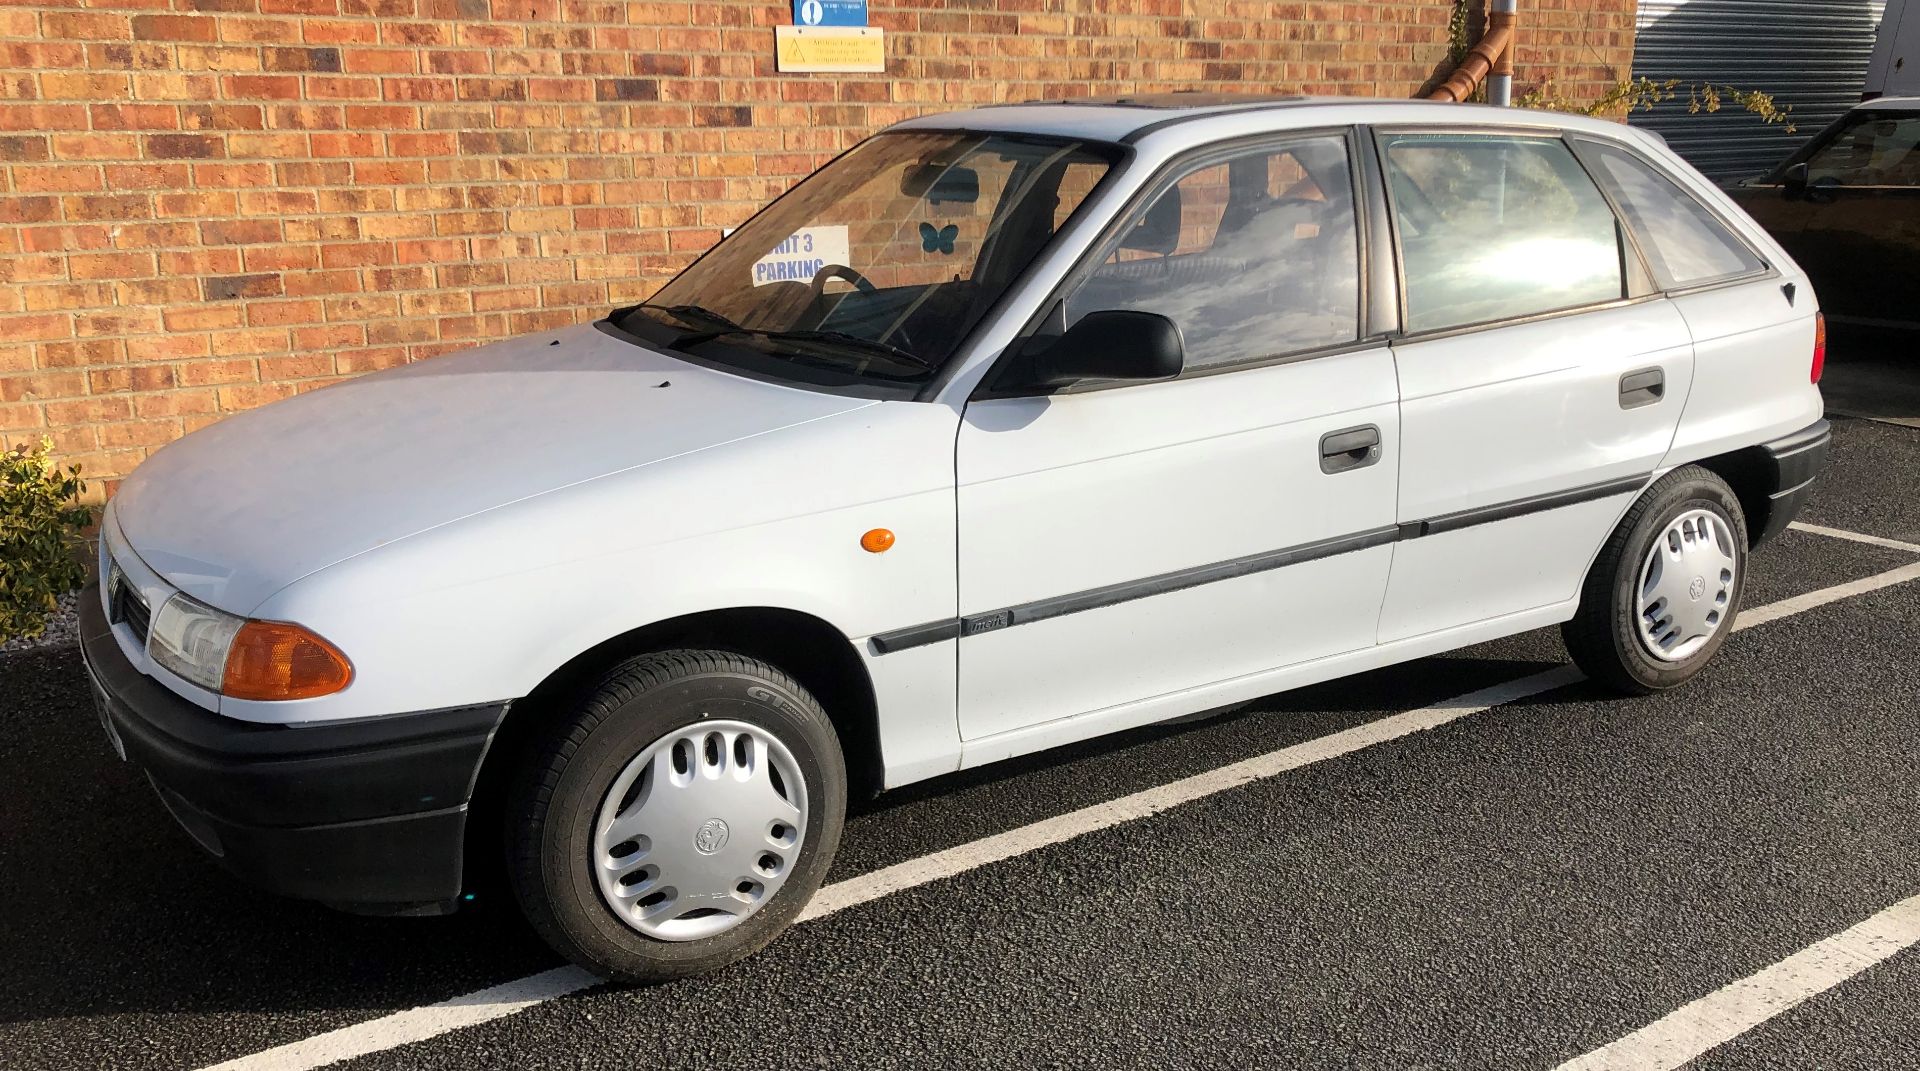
x=1819 y=345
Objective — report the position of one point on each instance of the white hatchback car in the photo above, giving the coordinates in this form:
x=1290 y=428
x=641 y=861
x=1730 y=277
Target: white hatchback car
x=1007 y=428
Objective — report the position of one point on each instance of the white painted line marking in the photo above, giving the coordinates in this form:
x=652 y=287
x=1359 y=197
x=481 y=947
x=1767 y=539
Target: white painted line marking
x=979 y=853
x=1856 y=537
x=420 y=1024
x=1727 y=1013
x=1773 y=611
x=416 y=1024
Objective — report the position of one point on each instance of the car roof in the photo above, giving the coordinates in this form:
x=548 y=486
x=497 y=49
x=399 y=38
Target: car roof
x=1198 y=118
x=1889 y=104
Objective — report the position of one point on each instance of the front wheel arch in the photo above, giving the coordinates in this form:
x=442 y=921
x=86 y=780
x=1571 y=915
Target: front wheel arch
x=808 y=648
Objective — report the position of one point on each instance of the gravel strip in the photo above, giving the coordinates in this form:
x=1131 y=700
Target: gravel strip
x=63 y=628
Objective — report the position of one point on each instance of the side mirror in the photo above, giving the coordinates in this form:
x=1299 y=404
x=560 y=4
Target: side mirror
x=1793 y=182
x=1111 y=345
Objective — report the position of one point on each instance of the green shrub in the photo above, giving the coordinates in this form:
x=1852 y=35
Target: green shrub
x=41 y=519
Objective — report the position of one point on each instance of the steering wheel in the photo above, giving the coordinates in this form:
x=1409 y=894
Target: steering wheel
x=862 y=284
x=840 y=271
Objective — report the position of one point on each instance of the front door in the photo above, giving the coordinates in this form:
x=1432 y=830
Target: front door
x=1121 y=543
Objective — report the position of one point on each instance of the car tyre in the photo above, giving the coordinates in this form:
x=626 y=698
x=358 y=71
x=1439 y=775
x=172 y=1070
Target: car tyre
x=558 y=824
x=1617 y=635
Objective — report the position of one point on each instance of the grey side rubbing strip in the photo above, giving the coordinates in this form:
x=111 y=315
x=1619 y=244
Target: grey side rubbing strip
x=917 y=636
x=1179 y=580
x=1520 y=507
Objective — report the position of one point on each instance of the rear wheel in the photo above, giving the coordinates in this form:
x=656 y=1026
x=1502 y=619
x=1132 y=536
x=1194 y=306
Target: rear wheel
x=681 y=819
x=1662 y=595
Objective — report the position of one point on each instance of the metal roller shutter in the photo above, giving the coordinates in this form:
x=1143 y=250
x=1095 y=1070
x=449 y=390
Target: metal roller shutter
x=1811 y=54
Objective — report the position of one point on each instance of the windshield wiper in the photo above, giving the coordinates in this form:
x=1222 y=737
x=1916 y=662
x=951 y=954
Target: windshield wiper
x=688 y=313
x=842 y=338
x=834 y=338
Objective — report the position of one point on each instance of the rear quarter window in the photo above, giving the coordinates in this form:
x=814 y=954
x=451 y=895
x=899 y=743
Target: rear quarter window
x=1685 y=244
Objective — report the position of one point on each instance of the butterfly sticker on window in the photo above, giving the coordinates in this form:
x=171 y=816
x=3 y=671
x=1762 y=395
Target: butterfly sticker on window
x=938 y=241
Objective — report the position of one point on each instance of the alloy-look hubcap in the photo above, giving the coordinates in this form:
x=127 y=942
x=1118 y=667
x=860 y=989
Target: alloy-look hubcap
x=700 y=830
x=1686 y=586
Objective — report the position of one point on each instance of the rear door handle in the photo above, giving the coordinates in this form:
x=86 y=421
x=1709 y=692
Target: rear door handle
x=1643 y=387
x=1349 y=448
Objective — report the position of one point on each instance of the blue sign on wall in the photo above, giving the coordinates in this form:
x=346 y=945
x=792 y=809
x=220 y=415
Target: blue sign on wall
x=829 y=12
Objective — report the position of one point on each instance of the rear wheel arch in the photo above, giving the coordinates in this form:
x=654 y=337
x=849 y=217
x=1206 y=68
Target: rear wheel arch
x=806 y=647
x=1748 y=471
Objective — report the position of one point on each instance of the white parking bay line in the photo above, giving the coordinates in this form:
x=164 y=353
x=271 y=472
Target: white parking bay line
x=1773 y=611
x=1855 y=537
x=1727 y=1013
x=979 y=853
x=416 y=1024
x=423 y=1023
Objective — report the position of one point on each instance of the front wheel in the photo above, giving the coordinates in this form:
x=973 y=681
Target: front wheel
x=1661 y=596
x=681 y=818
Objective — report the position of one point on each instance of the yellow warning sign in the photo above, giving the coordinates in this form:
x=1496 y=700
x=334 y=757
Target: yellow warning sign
x=837 y=49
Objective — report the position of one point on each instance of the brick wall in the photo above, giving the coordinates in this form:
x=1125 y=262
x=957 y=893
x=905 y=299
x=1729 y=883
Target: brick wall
x=207 y=205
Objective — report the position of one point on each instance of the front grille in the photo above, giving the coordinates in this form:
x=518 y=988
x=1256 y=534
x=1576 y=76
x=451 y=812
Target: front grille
x=128 y=607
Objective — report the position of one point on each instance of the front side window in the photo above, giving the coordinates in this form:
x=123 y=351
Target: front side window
x=1872 y=148
x=1493 y=227
x=1684 y=243
x=876 y=267
x=1252 y=256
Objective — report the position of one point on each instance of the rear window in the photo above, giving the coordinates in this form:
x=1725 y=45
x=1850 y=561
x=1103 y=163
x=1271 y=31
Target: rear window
x=1685 y=245
x=1495 y=227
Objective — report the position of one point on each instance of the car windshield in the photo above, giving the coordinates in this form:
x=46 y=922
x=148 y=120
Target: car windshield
x=874 y=268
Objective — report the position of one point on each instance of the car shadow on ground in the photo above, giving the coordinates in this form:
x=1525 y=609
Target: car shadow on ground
x=110 y=909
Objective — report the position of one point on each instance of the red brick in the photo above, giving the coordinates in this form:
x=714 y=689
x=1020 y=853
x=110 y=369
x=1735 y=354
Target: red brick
x=185 y=146
x=175 y=28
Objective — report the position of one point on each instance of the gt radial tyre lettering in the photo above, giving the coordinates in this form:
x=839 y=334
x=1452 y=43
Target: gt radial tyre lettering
x=679 y=818
x=1662 y=594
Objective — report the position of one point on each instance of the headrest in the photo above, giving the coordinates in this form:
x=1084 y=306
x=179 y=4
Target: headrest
x=1159 y=230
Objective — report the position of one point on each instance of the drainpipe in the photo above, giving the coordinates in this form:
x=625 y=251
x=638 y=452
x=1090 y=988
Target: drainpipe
x=1500 y=83
x=1486 y=61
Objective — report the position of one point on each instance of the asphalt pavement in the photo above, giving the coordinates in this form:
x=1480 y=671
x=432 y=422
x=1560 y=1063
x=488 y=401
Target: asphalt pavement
x=1511 y=889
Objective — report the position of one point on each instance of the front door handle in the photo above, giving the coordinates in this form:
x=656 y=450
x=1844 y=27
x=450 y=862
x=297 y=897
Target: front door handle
x=1349 y=448
x=1643 y=387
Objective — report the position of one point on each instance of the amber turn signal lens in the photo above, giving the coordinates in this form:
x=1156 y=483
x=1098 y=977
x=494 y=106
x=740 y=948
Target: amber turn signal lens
x=277 y=660
x=877 y=541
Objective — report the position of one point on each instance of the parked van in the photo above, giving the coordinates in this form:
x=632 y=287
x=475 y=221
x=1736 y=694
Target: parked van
x=1894 y=69
x=1089 y=415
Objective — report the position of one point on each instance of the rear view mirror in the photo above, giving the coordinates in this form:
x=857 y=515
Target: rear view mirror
x=941 y=183
x=1111 y=345
x=1793 y=183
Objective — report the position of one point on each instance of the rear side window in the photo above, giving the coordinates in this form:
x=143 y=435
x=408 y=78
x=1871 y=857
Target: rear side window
x=1874 y=148
x=1685 y=245
x=1494 y=227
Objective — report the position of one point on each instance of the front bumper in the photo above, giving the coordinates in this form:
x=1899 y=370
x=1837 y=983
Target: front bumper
x=367 y=814
x=1788 y=468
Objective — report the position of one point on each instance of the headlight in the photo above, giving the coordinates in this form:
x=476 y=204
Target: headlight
x=192 y=639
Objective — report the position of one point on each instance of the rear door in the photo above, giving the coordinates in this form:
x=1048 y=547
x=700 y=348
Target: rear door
x=1752 y=327
x=1126 y=543
x=1541 y=377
